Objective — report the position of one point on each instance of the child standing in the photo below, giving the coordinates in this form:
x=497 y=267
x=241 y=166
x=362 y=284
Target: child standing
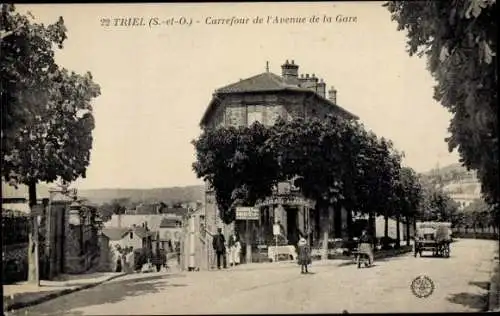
x=304 y=255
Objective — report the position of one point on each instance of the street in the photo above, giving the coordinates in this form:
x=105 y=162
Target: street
x=461 y=285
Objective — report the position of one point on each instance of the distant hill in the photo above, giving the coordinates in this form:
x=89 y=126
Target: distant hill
x=446 y=169
x=167 y=195
x=456 y=180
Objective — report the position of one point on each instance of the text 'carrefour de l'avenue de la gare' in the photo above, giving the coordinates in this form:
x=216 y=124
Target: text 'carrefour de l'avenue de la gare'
x=211 y=20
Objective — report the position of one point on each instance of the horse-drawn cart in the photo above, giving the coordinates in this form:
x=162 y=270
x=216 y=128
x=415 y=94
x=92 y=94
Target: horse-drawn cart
x=433 y=236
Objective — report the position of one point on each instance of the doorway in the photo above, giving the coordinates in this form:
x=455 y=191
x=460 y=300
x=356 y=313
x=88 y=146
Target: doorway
x=292 y=228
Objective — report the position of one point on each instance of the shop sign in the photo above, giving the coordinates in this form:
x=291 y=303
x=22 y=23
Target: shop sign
x=247 y=213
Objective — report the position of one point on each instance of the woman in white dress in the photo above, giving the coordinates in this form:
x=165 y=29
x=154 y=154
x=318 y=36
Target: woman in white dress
x=234 y=246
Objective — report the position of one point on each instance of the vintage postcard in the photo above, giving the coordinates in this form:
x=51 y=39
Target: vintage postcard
x=249 y=158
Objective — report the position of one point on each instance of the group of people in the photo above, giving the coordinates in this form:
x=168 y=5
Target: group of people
x=233 y=247
x=304 y=251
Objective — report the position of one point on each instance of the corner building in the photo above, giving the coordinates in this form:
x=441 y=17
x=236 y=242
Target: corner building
x=264 y=98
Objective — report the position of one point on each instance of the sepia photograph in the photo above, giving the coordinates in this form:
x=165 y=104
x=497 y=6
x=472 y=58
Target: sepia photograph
x=249 y=158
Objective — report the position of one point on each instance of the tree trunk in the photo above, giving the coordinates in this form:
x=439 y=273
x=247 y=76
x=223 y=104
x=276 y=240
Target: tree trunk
x=349 y=224
x=385 y=244
x=326 y=222
x=386 y=225
x=33 y=275
x=408 y=230
x=414 y=226
x=398 y=234
x=371 y=225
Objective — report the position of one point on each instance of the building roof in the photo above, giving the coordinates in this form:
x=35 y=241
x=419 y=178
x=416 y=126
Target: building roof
x=21 y=191
x=175 y=211
x=127 y=220
x=115 y=233
x=142 y=232
x=265 y=82
x=169 y=223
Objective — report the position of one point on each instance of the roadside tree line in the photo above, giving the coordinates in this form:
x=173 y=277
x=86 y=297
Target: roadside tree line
x=336 y=162
x=459 y=40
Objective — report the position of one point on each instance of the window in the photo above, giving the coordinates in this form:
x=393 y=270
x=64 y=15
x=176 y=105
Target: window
x=131 y=235
x=254 y=114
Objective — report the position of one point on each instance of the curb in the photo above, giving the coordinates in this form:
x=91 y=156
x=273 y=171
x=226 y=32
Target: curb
x=19 y=305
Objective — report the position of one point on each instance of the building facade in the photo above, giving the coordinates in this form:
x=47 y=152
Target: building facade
x=265 y=98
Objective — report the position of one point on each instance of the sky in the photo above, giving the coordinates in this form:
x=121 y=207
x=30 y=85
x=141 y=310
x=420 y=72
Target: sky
x=157 y=81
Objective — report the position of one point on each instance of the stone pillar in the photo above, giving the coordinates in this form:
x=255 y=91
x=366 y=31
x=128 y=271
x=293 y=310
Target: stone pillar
x=73 y=260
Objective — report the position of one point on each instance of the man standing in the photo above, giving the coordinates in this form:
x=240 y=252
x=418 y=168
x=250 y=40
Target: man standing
x=220 y=248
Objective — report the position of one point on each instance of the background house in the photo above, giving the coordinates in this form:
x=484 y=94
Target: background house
x=139 y=238
x=169 y=233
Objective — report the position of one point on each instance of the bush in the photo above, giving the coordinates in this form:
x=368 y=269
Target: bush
x=14 y=270
x=477 y=235
x=386 y=242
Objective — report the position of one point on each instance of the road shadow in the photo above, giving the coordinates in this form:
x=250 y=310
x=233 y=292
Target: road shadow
x=107 y=293
x=482 y=285
x=475 y=301
x=433 y=257
x=348 y=263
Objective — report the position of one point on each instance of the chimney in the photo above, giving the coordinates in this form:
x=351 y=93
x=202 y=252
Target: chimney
x=332 y=95
x=309 y=82
x=321 y=88
x=290 y=72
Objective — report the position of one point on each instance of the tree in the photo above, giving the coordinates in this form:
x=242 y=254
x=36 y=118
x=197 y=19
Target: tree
x=332 y=161
x=409 y=197
x=459 y=39
x=26 y=69
x=311 y=153
x=479 y=214
x=437 y=205
x=47 y=117
x=235 y=162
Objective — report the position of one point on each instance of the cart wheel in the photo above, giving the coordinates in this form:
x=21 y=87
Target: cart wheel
x=446 y=252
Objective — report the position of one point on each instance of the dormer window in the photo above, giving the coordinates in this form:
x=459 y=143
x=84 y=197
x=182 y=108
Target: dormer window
x=131 y=235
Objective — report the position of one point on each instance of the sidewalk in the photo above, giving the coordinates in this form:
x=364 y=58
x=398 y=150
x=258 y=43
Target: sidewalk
x=20 y=295
x=494 y=293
